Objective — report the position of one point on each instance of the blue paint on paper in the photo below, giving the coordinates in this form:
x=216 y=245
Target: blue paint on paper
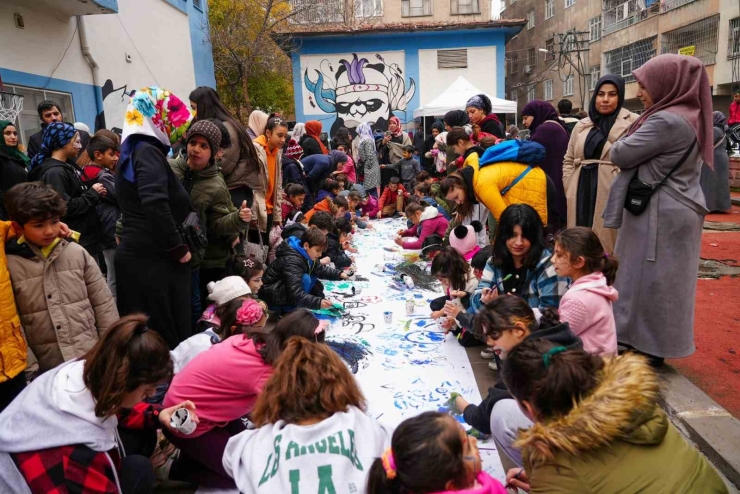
x=351 y=352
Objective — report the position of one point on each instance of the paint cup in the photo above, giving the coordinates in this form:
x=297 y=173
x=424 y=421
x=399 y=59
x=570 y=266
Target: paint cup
x=379 y=268
x=409 y=307
x=183 y=422
x=408 y=281
x=388 y=317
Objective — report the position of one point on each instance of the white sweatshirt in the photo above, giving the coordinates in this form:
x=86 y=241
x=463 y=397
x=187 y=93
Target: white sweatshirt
x=334 y=455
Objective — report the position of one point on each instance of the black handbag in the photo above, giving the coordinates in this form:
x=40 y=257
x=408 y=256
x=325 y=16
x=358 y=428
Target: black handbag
x=192 y=232
x=639 y=192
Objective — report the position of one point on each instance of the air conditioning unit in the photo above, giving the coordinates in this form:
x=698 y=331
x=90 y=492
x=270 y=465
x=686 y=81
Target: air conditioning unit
x=528 y=69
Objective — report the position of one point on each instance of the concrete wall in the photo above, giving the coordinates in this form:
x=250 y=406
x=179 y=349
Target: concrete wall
x=481 y=72
x=441 y=12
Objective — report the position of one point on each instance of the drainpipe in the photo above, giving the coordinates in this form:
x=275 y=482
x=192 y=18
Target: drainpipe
x=95 y=69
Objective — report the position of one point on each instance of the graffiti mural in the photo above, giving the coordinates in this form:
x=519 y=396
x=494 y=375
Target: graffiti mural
x=356 y=88
x=115 y=101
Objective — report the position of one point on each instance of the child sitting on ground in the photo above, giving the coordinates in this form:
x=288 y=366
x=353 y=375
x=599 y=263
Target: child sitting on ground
x=293 y=199
x=338 y=243
x=587 y=305
x=427 y=222
x=391 y=202
x=431 y=453
x=369 y=203
x=292 y=280
x=343 y=181
x=63 y=300
x=423 y=191
x=330 y=189
x=250 y=270
x=310 y=400
x=435 y=192
x=464 y=239
x=348 y=167
x=407 y=168
x=336 y=206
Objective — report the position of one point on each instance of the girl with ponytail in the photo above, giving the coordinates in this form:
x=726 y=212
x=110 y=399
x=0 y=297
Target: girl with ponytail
x=431 y=453
x=587 y=305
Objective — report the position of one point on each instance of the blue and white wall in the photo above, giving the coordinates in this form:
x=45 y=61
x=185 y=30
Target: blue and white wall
x=390 y=73
x=148 y=42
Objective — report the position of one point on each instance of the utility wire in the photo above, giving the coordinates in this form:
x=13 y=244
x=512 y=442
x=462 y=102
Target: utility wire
x=118 y=16
x=77 y=25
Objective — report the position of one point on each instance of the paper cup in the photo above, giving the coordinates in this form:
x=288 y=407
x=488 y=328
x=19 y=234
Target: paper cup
x=388 y=317
x=182 y=422
x=409 y=307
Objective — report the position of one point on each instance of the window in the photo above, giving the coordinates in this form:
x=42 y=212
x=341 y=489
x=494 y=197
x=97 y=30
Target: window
x=530 y=19
x=464 y=7
x=626 y=69
x=548 y=90
x=699 y=39
x=317 y=11
x=531 y=58
x=733 y=44
x=514 y=96
x=452 y=59
x=594 y=28
x=416 y=8
x=514 y=64
x=568 y=86
x=198 y=4
x=27 y=122
x=549 y=9
x=530 y=94
x=550 y=47
x=569 y=3
x=593 y=77
x=625 y=59
x=368 y=8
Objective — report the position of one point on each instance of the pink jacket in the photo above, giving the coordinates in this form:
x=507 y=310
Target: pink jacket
x=349 y=170
x=485 y=485
x=587 y=308
x=371 y=208
x=219 y=396
x=431 y=223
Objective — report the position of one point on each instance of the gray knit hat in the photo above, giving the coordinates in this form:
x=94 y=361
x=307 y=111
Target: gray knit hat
x=209 y=131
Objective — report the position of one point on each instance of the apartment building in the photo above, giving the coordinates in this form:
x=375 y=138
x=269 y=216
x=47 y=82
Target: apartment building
x=568 y=44
x=358 y=61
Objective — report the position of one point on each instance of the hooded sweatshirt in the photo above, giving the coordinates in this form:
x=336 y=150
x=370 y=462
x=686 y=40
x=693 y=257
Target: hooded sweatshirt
x=56 y=410
x=587 y=308
x=333 y=455
x=484 y=484
x=431 y=223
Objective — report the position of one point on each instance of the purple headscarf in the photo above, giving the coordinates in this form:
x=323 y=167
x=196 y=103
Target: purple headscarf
x=542 y=111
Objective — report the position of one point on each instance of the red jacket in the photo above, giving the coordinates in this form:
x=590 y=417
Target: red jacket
x=432 y=223
x=734 y=116
x=390 y=197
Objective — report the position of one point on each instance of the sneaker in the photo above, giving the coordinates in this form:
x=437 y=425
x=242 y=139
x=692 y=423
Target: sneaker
x=493 y=365
x=487 y=353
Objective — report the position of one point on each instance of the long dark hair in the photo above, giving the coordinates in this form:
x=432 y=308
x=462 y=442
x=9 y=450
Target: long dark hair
x=300 y=322
x=448 y=263
x=127 y=356
x=524 y=216
x=554 y=387
x=427 y=452
x=456 y=180
x=210 y=106
x=583 y=242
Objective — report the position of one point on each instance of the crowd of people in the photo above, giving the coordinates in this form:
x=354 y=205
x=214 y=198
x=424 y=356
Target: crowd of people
x=158 y=290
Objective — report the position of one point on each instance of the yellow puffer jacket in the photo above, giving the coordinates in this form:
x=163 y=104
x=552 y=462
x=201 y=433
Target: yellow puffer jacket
x=13 y=349
x=490 y=180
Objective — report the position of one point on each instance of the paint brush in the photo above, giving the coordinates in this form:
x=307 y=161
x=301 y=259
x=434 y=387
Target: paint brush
x=500 y=285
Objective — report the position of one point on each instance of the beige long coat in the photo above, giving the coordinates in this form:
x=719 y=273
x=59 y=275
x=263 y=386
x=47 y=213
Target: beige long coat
x=574 y=159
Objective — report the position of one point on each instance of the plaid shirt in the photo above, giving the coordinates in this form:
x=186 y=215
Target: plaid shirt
x=77 y=468
x=544 y=287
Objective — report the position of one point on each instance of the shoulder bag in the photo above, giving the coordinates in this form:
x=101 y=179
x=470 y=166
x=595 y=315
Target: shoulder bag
x=191 y=230
x=639 y=192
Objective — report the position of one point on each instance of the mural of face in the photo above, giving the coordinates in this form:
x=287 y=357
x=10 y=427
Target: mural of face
x=358 y=107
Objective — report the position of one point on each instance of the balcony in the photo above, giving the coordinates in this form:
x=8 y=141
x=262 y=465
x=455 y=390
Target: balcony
x=667 y=5
x=624 y=60
x=698 y=39
x=619 y=14
x=69 y=8
x=317 y=11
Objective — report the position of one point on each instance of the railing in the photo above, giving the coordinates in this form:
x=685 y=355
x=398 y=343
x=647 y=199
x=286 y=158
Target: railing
x=699 y=39
x=666 y=5
x=317 y=11
x=621 y=14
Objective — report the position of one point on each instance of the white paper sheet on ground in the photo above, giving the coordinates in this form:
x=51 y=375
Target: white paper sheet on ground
x=408 y=366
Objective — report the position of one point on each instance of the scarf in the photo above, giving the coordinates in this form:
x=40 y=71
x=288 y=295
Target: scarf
x=154 y=115
x=398 y=131
x=719 y=120
x=337 y=157
x=680 y=85
x=365 y=131
x=599 y=133
x=542 y=111
x=257 y=122
x=313 y=129
x=298 y=131
x=12 y=152
x=456 y=118
x=56 y=135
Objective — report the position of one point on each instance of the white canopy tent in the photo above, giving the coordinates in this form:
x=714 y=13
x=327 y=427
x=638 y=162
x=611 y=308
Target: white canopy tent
x=456 y=96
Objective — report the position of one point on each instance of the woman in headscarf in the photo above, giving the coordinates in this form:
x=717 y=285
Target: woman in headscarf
x=13 y=162
x=715 y=183
x=546 y=128
x=391 y=147
x=437 y=128
x=657 y=276
x=311 y=140
x=480 y=113
x=587 y=172
x=368 y=159
x=319 y=167
x=256 y=124
x=299 y=130
x=153 y=260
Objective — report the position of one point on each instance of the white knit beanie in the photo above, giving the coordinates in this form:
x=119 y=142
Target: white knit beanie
x=227 y=289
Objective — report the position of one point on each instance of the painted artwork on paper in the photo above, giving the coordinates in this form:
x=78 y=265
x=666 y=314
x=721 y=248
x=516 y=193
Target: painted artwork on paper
x=355 y=88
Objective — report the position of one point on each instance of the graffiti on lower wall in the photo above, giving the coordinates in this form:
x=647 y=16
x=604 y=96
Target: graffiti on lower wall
x=350 y=89
x=115 y=101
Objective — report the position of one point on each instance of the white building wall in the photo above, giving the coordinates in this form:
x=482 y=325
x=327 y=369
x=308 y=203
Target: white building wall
x=481 y=72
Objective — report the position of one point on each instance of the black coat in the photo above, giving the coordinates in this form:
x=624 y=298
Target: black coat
x=12 y=173
x=493 y=127
x=283 y=279
x=310 y=146
x=34 y=142
x=479 y=416
x=293 y=174
x=107 y=208
x=66 y=179
x=335 y=252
